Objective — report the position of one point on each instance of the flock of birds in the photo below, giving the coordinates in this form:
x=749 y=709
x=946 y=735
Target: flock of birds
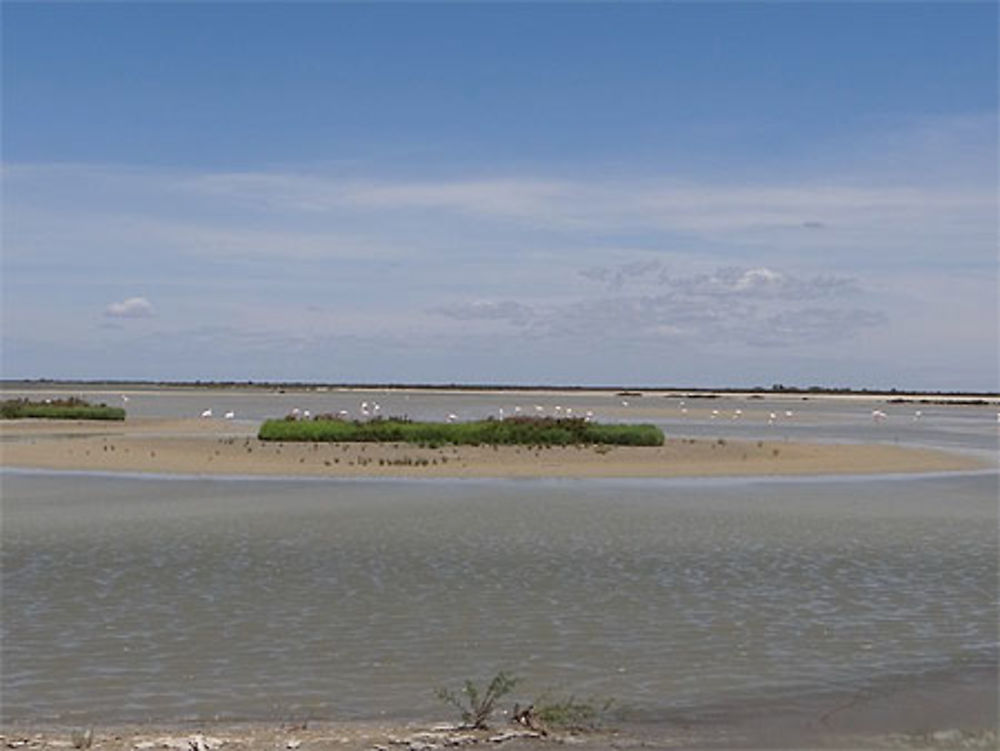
x=372 y=410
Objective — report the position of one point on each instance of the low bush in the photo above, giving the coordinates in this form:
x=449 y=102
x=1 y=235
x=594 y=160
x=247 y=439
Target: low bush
x=72 y=408
x=571 y=713
x=475 y=707
x=537 y=431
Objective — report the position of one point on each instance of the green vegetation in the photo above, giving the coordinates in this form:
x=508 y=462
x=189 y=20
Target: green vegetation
x=544 y=715
x=532 y=431
x=476 y=708
x=570 y=714
x=71 y=408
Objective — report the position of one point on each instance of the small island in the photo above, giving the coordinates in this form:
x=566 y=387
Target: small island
x=513 y=431
x=70 y=408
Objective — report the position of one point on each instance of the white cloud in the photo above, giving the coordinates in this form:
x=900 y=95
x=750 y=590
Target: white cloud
x=505 y=310
x=613 y=204
x=865 y=251
x=755 y=307
x=132 y=307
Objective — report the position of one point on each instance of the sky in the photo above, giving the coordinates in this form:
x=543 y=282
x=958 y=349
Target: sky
x=648 y=194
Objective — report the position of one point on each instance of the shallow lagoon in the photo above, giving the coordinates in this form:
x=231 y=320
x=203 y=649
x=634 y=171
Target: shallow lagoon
x=143 y=598
x=128 y=599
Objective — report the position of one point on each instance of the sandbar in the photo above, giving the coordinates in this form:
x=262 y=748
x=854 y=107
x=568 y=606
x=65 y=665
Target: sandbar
x=219 y=447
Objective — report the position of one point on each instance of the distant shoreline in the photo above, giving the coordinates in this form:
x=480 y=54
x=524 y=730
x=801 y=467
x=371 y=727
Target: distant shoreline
x=790 y=392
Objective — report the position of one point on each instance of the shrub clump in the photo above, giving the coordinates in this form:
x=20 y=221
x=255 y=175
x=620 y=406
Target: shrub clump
x=71 y=408
x=531 y=431
x=475 y=707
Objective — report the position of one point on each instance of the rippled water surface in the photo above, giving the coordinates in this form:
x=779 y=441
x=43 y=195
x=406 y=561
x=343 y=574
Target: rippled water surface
x=132 y=599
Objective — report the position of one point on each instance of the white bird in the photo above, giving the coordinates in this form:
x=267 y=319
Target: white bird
x=624 y=403
x=878 y=415
x=306 y=414
x=788 y=413
x=452 y=417
x=229 y=415
x=124 y=398
x=539 y=408
x=501 y=413
x=207 y=413
x=917 y=415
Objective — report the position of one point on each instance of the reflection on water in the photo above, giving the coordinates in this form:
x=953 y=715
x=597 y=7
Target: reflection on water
x=140 y=598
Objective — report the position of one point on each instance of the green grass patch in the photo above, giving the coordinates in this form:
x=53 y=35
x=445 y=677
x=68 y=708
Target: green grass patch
x=531 y=431
x=72 y=408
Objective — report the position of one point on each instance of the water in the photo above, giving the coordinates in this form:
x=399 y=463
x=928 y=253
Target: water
x=141 y=598
x=133 y=599
x=966 y=427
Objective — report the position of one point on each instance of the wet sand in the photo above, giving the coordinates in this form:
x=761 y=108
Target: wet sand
x=220 y=447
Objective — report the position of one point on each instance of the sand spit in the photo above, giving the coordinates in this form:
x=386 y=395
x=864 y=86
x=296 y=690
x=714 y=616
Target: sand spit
x=217 y=447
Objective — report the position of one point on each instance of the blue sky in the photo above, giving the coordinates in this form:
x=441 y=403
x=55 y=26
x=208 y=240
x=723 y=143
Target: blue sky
x=655 y=194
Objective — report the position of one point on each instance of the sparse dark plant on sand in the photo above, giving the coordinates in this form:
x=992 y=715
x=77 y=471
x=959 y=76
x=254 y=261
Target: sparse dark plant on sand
x=476 y=707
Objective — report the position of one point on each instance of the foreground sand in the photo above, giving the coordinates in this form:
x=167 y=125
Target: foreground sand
x=386 y=737
x=224 y=448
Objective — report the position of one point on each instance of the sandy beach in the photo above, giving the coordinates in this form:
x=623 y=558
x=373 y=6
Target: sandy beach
x=218 y=447
x=382 y=736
